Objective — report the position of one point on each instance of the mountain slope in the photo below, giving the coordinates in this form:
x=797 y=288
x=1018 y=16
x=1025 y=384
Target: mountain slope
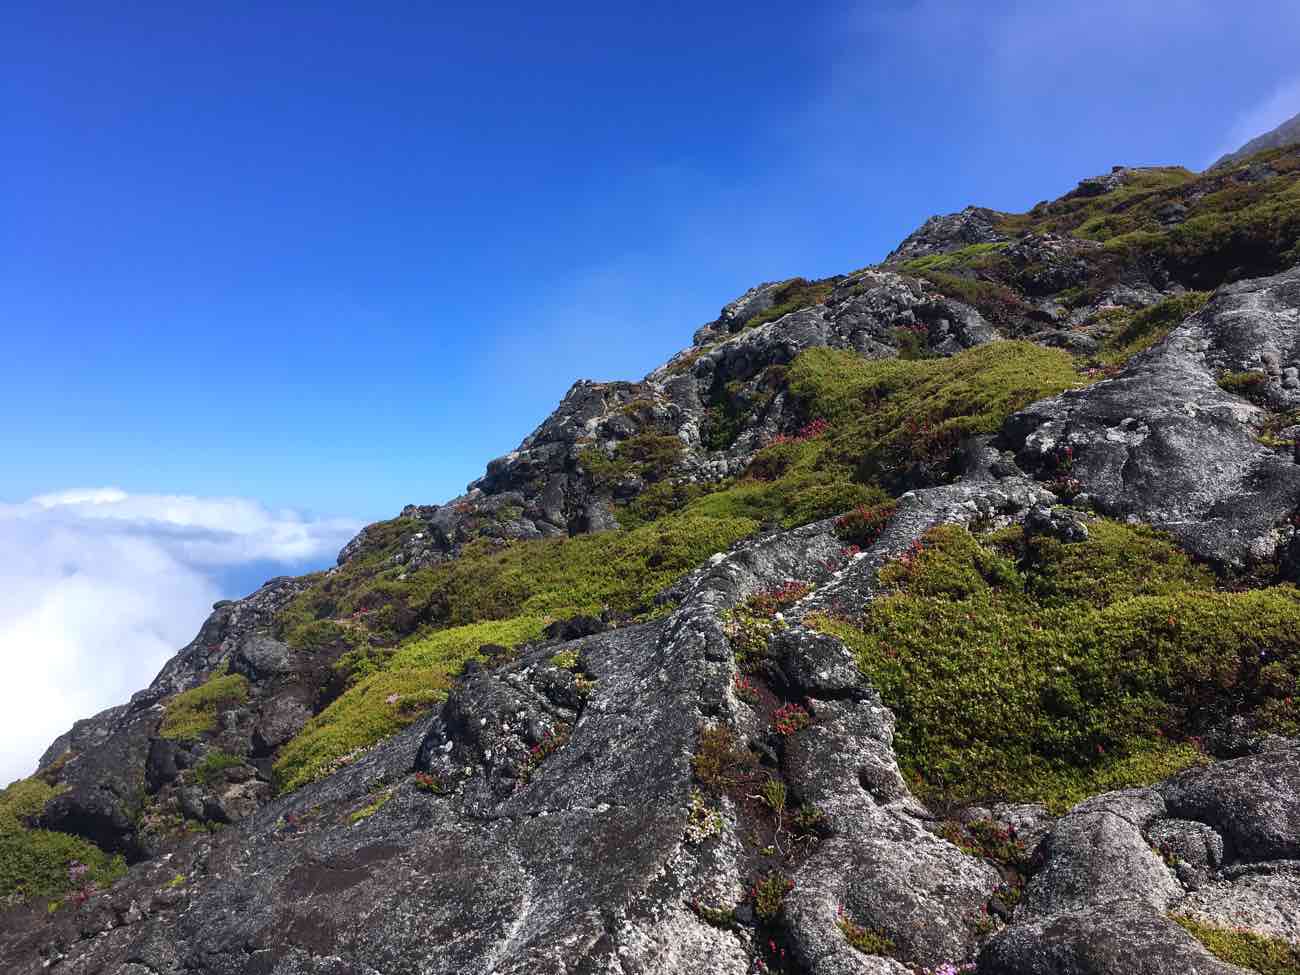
x=1286 y=134
x=789 y=657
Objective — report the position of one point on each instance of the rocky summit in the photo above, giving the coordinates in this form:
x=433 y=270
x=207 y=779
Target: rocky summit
x=936 y=617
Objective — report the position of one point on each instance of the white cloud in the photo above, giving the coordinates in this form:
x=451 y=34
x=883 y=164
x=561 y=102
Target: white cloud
x=98 y=588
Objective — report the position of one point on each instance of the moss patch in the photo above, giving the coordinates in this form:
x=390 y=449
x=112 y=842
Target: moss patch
x=194 y=712
x=1269 y=956
x=1043 y=671
x=43 y=863
x=209 y=770
x=388 y=694
x=897 y=422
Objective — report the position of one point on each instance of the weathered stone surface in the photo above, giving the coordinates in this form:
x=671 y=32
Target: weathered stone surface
x=1116 y=939
x=1162 y=443
x=1215 y=844
x=950 y=232
x=1253 y=802
x=260 y=656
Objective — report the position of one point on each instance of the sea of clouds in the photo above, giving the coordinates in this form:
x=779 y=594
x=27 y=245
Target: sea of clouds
x=99 y=587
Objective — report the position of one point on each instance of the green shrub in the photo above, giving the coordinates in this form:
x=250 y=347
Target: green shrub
x=1248 y=385
x=194 y=712
x=890 y=417
x=768 y=894
x=869 y=941
x=649 y=456
x=1045 y=671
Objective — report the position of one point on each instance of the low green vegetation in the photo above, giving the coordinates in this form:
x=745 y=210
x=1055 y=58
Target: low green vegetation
x=869 y=941
x=387 y=694
x=1037 y=670
x=210 y=770
x=768 y=895
x=412 y=631
x=896 y=423
x=966 y=257
x=43 y=863
x=194 y=712
x=793 y=295
x=1137 y=331
x=368 y=810
x=1248 y=385
x=1000 y=304
x=1269 y=956
x=648 y=456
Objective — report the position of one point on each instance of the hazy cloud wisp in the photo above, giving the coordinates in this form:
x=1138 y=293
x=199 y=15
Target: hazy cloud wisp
x=98 y=588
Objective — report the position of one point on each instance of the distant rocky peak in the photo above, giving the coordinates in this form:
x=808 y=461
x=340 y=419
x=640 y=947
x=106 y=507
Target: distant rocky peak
x=1286 y=134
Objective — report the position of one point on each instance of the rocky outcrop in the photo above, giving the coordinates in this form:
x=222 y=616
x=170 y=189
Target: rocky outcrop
x=1165 y=443
x=947 y=233
x=546 y=487
x=1117 y=866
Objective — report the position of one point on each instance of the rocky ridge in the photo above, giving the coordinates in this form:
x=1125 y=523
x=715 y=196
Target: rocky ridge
x=712 y=783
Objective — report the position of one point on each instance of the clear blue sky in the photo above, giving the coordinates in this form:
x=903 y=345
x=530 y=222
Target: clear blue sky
x=338 y=255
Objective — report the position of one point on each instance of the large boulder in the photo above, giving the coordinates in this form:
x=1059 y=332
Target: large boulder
x=1164 y=444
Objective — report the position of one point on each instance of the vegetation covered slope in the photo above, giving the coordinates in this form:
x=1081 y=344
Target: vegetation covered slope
x=1029 y=669
x=1094 y=278
x=869 y=425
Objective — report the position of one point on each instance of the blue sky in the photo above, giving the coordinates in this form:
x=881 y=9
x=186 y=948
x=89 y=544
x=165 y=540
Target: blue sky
x=331 y=258
x=336 y=256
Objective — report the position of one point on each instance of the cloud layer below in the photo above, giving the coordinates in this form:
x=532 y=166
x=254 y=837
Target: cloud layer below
x=98 y=588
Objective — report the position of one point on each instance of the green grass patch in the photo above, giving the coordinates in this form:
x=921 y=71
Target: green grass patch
x=1048 y=672
x=967 y=257
x=43 y=863
x=1269 y=956
x=194 y=712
